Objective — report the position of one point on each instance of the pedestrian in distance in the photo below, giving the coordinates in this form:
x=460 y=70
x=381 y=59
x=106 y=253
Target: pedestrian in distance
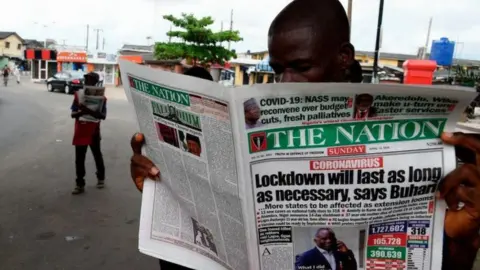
x=87 y=134
x=16 y=73
x=5 y=73
x=309 y=41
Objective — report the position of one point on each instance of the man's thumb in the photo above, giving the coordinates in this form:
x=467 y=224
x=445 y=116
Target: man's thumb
x=137 y=141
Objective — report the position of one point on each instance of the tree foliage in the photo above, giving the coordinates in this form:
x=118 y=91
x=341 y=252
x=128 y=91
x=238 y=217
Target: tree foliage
x=197 y=42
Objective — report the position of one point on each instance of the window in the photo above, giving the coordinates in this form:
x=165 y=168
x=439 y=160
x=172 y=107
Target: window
x=19 y=46
x=7 y=45
x=271 y=78
x=259 y=78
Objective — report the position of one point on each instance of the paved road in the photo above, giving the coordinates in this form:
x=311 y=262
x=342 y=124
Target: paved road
x=37 y=211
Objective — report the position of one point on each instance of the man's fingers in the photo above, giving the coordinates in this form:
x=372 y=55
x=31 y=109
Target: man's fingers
x=466 y=195
x=137 y=141
x=467 y=175
x=145 y=164
x=470 y=141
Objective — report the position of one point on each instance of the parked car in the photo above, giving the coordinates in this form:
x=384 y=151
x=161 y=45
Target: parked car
x=67 y=81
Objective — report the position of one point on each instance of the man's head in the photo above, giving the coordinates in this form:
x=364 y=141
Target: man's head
x=309 y=41
x=325 y=239
x=363 y=102
x=199 y=72
x=91 y=79
x=252 y=111
x=194 y=146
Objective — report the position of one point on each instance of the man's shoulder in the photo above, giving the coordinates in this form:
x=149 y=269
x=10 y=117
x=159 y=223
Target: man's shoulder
x=310 y=252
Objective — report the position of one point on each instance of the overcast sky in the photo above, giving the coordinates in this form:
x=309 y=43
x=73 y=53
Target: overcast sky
x=405 y=21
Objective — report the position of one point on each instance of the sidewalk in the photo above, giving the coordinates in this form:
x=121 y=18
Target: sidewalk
x=113 y=92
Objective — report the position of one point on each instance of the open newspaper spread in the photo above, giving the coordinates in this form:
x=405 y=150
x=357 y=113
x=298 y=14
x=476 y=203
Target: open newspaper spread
x=93 y=98
x=293 y=176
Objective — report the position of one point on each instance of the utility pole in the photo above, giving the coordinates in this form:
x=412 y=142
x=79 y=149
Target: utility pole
x=98 y=32
x=88 y=34
x=231 y=26
x=221 y=30
x=170 y=37
x=428 y=38
x=349 y=14
x=377 y=43
x=103 y=44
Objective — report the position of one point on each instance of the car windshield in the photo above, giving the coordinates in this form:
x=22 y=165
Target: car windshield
x=76 y=74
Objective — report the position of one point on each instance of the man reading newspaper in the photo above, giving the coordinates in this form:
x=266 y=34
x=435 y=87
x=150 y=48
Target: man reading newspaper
x=88 y=108
x=309 y=42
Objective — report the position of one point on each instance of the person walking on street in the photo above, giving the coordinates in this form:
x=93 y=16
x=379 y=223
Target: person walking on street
x=5 y=73
x=87 y=134
x=16 y=73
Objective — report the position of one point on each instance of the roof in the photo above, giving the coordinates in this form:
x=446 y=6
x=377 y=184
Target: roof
x=4 y=35
x=245 y=61
x=396 y=56
x=137 y=48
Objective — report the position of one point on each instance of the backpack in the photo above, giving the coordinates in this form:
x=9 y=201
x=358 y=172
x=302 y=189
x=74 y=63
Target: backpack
x=5 y=72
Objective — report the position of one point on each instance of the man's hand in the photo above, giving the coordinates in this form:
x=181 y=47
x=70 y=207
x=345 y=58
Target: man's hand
x=462 y=185
x=140 y=166
x=342 y=247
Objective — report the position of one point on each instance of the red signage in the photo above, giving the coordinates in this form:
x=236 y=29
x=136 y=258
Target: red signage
x=77 y=57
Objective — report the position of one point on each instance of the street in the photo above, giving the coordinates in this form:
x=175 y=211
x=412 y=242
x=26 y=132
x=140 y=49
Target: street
x=43 y=226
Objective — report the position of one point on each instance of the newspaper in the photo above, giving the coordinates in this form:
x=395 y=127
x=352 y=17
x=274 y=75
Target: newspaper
x=293 y=176
x=93 y=98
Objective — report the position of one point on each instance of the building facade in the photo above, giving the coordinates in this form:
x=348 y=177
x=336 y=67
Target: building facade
x=11 y=48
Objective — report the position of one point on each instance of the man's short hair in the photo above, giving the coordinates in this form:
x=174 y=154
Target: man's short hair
x=91 y=78
x=327 y=17
x=199 y=72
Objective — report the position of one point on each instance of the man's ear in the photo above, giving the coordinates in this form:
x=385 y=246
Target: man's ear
x=346 y=55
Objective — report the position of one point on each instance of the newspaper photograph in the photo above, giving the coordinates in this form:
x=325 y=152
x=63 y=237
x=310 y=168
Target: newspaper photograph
x=293 y=176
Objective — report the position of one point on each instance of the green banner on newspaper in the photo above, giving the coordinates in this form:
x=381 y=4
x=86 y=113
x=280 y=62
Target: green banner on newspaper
x=159 y=91
x=173 y=114
x=345 y=134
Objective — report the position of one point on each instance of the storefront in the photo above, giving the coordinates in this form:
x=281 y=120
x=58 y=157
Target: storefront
x=72 y=61
x=43 y=63
x=103 y=63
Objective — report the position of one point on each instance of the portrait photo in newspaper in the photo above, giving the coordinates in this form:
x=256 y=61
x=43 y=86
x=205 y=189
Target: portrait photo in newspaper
x=167 y=134
x=203 y=236
x=364 y=107
x=252 y=114
x=329 y=248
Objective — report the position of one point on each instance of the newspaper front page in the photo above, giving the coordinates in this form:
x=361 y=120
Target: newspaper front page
x=348 y=168
x=293 y=176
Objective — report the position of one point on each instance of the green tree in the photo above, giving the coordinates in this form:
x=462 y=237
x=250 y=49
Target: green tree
x=198 y=43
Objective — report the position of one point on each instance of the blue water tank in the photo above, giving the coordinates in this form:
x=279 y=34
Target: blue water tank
x=442 y=51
